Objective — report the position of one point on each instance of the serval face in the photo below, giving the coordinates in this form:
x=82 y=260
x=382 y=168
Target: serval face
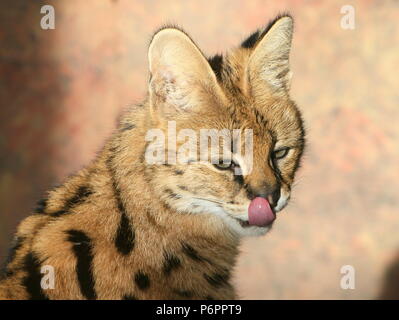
x=239 y=102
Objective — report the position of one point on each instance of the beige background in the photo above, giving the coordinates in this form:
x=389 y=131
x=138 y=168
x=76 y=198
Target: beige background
x=61 y=91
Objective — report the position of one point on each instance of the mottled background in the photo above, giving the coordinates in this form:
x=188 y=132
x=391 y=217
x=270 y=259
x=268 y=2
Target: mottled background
x=61 y=91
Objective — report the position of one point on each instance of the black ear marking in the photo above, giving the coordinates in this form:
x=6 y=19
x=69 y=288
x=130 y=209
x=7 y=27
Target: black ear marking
x=216 y=63
x=253 y=39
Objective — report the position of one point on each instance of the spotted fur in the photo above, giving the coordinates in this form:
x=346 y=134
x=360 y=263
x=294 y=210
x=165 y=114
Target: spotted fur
x=125 y=229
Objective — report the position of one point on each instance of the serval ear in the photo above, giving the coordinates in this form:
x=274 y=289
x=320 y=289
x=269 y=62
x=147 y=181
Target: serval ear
x=268 y=64
x=181 y=77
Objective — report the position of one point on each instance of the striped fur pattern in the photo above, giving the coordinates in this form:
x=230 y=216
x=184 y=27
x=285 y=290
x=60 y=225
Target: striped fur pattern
x=124 y=229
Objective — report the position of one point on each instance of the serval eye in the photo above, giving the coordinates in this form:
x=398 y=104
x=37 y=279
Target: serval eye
x=280 y=153
x=225 y=165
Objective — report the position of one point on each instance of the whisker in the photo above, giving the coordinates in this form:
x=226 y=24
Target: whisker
x=211 y=200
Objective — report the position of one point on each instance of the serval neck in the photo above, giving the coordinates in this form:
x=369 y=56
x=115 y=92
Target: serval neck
x=123 y=159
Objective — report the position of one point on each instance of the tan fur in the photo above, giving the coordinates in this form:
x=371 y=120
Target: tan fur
x=179 y=249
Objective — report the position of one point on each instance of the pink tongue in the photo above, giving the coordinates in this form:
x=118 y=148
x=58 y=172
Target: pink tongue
x=260 y=213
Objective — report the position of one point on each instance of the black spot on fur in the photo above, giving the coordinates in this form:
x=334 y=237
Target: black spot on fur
x=112 y=149
x=172 y=194
x=17 y=244
x=82 y=248
x=217 y=280
x=33 y=278
x=125 y=235
x=260 y=118
x=41 y=206
x=59 y=213
x=179 y=172
x=184 y=293
x=216 y=63
x=128 y=126
x=142 y=156
x=142 y=280
x=6 y=273
x=129 y=297
x=171 y=262
x=79 y=197
x=192 y=253
x=81 y=194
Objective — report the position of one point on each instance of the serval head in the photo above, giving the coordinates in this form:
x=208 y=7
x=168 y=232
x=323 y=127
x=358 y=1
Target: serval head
x=241 y=97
